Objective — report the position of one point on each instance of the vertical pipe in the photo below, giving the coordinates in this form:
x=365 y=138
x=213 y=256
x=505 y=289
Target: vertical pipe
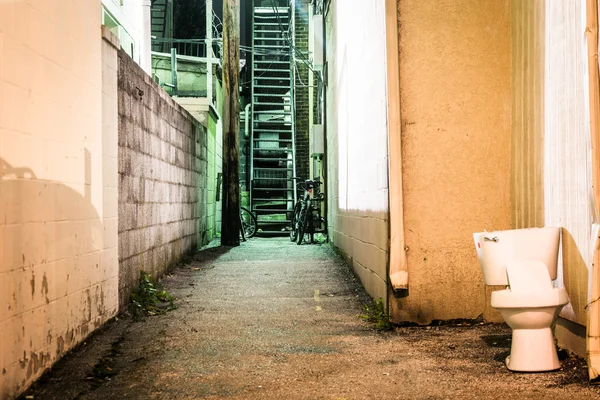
x=174 y=70
x=209 y=54
x=398 y=267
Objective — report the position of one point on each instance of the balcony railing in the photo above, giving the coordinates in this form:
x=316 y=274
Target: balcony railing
x=184 y=47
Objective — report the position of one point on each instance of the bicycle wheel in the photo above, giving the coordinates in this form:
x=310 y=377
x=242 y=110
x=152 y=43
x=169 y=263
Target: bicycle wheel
x=302 y=223
x=249 y=223
x=294 y=222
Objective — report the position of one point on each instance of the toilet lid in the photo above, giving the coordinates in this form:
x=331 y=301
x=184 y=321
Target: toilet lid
x=528 y=276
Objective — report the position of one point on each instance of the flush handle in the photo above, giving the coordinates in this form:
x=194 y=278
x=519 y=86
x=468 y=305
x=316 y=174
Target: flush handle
x=491 y=239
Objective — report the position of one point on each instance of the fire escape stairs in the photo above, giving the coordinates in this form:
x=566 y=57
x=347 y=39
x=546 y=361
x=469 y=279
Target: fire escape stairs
x=272 y=163
x=160 y=20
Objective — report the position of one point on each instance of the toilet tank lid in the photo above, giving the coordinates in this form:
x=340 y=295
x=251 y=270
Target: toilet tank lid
x=528 y=276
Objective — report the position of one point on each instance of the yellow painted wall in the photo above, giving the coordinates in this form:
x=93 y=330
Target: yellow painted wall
x=58 y=183
x=456 y=113
x=527 y=79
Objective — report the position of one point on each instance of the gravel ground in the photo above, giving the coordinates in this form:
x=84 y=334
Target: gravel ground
x=273 y=320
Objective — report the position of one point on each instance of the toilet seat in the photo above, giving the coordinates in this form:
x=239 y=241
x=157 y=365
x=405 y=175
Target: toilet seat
x=530 y=287
x=548 y=298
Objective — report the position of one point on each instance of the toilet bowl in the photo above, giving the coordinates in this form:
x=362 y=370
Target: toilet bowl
x=525 y=260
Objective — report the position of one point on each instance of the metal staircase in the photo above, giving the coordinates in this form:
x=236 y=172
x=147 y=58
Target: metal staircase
x=161 y=14
x=272 y=164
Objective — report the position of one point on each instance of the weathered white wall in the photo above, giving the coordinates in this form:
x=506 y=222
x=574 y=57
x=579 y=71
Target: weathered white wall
x=134 y=17
x=58 y=183
x=357 y=180
x=568 y=193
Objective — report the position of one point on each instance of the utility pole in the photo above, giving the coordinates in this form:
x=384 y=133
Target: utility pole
x=230 y=229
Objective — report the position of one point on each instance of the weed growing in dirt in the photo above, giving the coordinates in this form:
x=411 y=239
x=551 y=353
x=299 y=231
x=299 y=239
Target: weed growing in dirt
x=150 y=298
x=375 y=312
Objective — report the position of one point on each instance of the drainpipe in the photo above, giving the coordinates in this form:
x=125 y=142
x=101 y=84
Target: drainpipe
x=174 y=71
x=593 y=307
x=247 y=120
x=146 y=41
x=398 y=269
x=209 y=52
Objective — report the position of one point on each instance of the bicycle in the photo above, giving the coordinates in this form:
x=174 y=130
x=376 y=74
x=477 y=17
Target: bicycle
x=306 y=217
x=248 y=224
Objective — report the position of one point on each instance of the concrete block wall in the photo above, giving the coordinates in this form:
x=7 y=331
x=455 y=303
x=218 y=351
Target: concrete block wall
x=162 y=178
x=58 y=184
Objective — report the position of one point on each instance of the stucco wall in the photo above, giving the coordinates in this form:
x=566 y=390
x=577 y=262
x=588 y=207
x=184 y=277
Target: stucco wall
x=456 y=113
x=162 y=178
x=58 y=184
x=357 y=190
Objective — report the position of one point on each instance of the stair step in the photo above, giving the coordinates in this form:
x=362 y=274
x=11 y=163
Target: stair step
x=269 y=38
x=271 y=86
x=281 y=149
x=274 y=140
x=274 y=169
x=257 y=103
x=268 y=31
x=279 y=71
x=270 y=46
x=282 y=122
x=272 y=78
x=272 y=179
x=272 y=159
x=271 y=131
x=273 y=189
x=270 y=210
x=279 y=199
x=258 y=25
x=271 y=61
x=274 y=112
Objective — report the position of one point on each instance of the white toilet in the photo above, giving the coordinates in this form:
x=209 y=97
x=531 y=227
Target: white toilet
x=525 y=260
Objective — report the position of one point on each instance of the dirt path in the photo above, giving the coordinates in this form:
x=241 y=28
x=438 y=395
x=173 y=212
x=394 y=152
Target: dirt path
x=273 y=320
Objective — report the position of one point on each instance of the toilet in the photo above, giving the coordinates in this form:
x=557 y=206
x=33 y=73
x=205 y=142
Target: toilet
x=525 y=261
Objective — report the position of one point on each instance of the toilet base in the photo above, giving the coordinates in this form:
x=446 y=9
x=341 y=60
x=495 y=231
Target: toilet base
x=532 y=350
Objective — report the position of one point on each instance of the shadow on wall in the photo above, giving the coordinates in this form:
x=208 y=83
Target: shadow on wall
x=575 y=276
x=51 y=272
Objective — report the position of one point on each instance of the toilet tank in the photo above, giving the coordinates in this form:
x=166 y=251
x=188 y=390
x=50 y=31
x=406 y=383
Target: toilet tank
x=496 y=249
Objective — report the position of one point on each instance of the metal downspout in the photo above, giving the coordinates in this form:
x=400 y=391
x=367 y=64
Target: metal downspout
x=398 y=265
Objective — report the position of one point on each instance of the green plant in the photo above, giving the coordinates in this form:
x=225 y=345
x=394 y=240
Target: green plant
x=375 y=312
x=149 y=298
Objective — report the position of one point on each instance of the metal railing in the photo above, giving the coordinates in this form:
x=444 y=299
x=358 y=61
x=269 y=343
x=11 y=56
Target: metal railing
x=184 y=47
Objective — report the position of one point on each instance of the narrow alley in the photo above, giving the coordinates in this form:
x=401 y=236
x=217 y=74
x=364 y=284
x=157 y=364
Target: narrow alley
x=444 y=156
x=273 y=320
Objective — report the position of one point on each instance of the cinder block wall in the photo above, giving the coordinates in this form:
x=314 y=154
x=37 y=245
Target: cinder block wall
x=58 y=184
x=162 y=178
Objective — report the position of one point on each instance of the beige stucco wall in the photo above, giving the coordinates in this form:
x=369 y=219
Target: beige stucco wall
x=357 y=187
x=58 y=183
x=456 y=120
